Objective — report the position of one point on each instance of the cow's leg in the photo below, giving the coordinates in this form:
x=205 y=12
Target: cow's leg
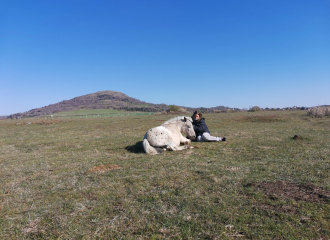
x=173 y=147
x=184 y=140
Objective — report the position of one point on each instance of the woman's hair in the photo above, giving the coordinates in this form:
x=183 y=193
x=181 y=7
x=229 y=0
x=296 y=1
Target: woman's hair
x=198 y=113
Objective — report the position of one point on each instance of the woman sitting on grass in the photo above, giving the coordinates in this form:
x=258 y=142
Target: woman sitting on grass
x=201 y=130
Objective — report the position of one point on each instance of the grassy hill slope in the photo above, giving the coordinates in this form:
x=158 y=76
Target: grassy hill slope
x=99 y=100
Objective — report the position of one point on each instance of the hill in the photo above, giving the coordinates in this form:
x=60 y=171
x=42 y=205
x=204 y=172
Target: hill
x=104 y=100
x=98 y=100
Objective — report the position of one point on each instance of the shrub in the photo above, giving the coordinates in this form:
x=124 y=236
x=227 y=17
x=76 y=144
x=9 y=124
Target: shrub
x=318 y=112
x=183 y=110
x=254 y=109
x=231 y=111
x=173 y=108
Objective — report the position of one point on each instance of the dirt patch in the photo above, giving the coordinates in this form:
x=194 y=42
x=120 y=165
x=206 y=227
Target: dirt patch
x=295 y=191
x=259 y=118
x=103 y=168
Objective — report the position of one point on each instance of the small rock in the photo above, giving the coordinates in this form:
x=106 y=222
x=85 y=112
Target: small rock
x=229 y=226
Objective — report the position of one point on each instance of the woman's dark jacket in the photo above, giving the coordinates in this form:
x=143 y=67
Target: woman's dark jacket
x=200 y=127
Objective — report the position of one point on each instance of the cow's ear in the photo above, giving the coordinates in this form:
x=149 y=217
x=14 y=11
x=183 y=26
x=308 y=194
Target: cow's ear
x=185 y=119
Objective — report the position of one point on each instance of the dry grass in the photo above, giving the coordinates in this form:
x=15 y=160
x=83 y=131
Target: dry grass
x=103 y=168
x=89 y=179
x=260 y=118
x=318 y=112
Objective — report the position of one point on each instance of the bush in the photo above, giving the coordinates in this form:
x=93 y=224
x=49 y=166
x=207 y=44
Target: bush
x=254 y=109
x=231 y=111
x=318 y=112
x=327 y=112
x=173 y=108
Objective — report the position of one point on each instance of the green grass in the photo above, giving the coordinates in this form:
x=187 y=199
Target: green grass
x=99 y=112
x=89 y=112
x=47 y=191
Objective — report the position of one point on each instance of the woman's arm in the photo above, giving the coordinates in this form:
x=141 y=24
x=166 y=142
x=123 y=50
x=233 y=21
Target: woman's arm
x=201 y=127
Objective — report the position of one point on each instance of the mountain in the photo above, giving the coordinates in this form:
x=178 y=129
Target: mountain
x=98 y=100
x=104 y=100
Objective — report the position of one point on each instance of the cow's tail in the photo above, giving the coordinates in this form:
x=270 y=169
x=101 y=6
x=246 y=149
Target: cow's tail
x=150 y=149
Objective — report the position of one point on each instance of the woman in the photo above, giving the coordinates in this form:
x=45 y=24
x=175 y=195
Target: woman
x=201 y=130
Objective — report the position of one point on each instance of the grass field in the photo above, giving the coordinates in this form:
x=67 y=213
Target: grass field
x=73 y=178
x=100 y=113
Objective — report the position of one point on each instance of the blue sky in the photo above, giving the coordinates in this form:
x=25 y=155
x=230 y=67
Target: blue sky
x=190 y=53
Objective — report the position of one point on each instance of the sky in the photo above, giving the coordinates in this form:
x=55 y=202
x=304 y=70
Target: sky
x=192 y=53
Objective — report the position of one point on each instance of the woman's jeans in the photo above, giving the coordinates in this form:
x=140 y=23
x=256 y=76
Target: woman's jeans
x=206 y=137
